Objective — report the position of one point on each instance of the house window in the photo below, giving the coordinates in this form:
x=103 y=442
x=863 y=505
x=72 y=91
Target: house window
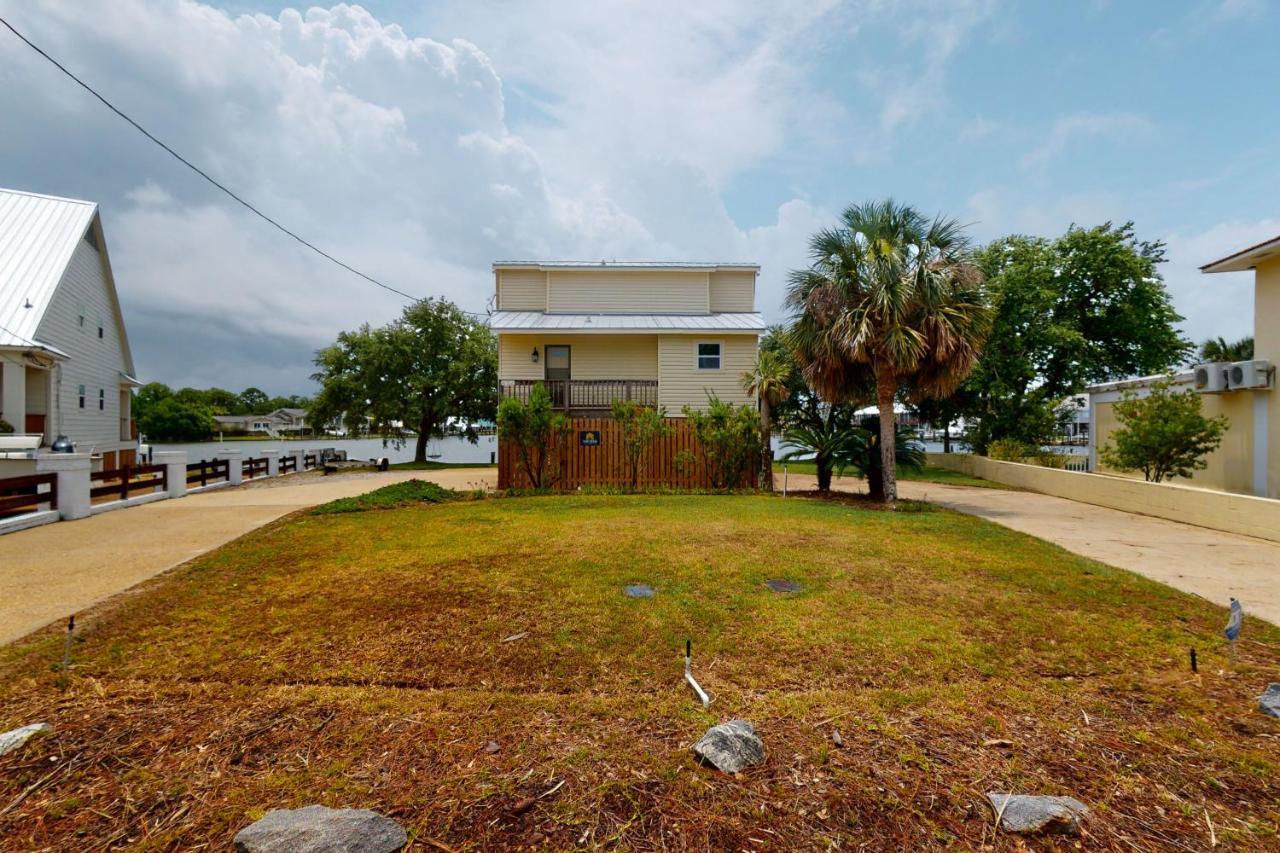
x=82 y=396
x=709 y=356
x=99 y=331
x=102 y=400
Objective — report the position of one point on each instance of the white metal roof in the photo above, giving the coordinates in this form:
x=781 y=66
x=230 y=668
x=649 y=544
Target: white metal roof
x=1245 y=259
x=537 y=321
x=674 y=266
x=38 y=233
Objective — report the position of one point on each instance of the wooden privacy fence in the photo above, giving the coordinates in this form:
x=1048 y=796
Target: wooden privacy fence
x=118 y=483
x=21 y=495
x=593 y=454
x=206 y=472
x=251 y=468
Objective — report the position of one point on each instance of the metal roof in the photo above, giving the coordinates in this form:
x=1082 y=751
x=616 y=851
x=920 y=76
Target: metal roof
x=537 y=321
x=38 y=234
x=1245 y=259
x=677 y=266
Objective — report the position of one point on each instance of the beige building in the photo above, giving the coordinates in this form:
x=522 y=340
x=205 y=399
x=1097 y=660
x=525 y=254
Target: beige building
x=1248 y=460
x=665 y=334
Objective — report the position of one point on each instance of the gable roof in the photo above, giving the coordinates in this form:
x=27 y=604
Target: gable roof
x=38 y=235
x=1245 y=259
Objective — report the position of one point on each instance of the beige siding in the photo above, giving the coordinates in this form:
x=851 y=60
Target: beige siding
x=95 y=362
x=733 y=291
x=681 y=383
x=522 y=290
x=628 y=291
x=590 y=356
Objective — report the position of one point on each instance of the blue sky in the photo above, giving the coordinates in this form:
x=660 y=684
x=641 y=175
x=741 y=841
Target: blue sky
x=424 y=140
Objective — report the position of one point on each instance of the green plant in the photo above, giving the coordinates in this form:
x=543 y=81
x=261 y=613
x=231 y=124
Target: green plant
x=767 y=382
x=538 y=431
x=867 y=460
x=728 y=439
x=891 y=296
x=1219 y=349
x=1011 y=450
x=1163 y=434
x=393 y=496
x=5 y=427
x=827 y=443
x=640 y=426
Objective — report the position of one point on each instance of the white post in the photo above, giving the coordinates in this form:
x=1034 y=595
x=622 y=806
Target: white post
x=13 y=394
x=273 y=462
x=73 y=481
x=234 y=471
x=298 y=456
x=175 y=470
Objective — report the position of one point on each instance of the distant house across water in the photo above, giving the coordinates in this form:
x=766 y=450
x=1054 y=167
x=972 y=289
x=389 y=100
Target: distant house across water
x=281 y=422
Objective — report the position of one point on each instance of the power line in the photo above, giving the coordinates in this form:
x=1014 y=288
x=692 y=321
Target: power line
x=193 y=167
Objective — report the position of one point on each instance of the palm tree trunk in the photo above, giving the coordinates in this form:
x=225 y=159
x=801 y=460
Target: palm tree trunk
x=766 y=451
x=886 y=389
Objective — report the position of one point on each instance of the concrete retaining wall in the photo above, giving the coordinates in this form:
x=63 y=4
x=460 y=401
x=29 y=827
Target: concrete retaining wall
x=1225 y=511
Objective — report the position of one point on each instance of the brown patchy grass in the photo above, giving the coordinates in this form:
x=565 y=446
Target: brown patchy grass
x=359 y=660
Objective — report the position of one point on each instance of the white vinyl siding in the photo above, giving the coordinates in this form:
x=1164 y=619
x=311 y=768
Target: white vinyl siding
x=522 y=290
x=95 y=363
x=591 y=356
x=733 y=291
x=681 y=383
x=628 y=291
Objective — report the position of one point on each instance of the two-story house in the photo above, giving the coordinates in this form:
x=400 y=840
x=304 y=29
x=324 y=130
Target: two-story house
x=662 y=334
x=65 y=365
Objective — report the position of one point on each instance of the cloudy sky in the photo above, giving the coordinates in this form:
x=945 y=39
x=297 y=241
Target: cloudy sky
x=422 y=141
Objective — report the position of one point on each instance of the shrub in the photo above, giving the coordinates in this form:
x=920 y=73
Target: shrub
x=728 y=440
x=1011 y=450
x=1162 y=434
x=393 y=496
x=641 y=426
x=537 y=430
x=5 y=427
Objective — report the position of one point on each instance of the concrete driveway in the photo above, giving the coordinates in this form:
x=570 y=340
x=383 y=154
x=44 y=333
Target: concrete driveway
x=1205 y=562
x=50 y=572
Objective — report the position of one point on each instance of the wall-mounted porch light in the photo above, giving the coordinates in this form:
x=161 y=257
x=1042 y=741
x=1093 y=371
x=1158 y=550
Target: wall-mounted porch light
x=534 y=357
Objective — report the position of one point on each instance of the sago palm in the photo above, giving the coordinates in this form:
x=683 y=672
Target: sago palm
x=767 y=381
x=890 y=294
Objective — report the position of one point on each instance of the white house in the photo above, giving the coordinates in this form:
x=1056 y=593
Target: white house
x=65 y=365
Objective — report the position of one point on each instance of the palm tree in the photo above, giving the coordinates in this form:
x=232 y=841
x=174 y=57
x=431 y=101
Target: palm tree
x=892 y=294
x=1217 y=349
x=836 y=446
x=767 y=381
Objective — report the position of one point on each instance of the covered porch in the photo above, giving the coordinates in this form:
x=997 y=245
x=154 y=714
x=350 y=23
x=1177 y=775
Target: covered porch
x=27 y=394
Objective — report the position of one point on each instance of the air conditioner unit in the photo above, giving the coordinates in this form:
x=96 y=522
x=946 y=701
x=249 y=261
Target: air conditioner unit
x=1249 y=374
x=1211 y=378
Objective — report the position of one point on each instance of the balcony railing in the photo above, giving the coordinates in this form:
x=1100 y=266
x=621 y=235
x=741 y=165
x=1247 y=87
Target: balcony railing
x=585 y=394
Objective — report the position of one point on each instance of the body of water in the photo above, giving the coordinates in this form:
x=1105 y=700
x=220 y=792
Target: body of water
x=450 y=449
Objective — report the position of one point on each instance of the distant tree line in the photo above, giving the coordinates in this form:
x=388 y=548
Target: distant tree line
x=186 y=414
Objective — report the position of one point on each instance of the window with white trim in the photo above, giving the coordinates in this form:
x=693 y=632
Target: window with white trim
x=709 y=355
x=82 y=396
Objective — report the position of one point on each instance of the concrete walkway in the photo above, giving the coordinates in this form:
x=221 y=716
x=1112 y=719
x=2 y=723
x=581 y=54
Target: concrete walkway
x=1205 y=562
x=49 y=572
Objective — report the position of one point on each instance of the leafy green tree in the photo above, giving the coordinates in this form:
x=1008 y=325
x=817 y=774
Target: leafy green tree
x=728 y=438
x=410 y=376
x=1087 y=307
x=176 y=419
x=641 y=426
x=1218 y=349
x=253 y=401
x=767 y=381
x=890 y=294
x=1163 y=434
x=537 y=430
x=146 y=398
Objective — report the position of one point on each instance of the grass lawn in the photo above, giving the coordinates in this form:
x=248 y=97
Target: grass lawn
x=369 y=659
x=930 y=474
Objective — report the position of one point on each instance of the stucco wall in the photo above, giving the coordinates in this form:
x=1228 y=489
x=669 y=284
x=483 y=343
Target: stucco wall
x=1232 y=513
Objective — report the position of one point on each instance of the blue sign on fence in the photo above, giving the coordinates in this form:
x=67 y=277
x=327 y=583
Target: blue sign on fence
x=589 y=437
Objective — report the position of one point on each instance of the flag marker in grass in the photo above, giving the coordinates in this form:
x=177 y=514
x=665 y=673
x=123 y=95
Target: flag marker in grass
x=688 y=673
x=1234 y=623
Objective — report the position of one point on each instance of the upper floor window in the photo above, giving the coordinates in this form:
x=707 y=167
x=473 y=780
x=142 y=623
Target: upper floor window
x=102 y=399
x=82 y=396
x=709 y=356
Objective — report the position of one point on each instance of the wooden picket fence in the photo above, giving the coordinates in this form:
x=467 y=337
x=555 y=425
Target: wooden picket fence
x=579 y=462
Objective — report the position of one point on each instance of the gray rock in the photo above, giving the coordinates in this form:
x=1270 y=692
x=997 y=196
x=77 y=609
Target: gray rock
x=319 y=829
x=730 y=747
x=9 y=741
x=1268 y=702
x=1026 y=813
x=639 y=590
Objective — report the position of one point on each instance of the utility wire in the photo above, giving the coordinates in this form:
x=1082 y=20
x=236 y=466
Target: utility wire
x=193 y=167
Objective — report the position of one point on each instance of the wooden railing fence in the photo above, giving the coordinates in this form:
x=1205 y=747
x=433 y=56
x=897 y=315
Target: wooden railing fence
x=288 y=464
x=21 y=495
x=118 y=483
x=209 y=471
x=251 y=468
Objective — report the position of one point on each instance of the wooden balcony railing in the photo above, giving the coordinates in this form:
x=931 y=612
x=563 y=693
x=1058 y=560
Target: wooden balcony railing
x=585 y=394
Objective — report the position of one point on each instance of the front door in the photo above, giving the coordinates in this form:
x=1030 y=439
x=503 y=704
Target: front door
x=557 y=374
